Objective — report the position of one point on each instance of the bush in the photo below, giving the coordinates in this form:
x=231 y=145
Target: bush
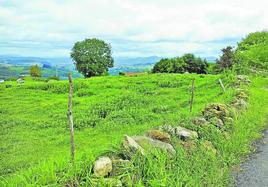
x=186 y=63
x=12 y=79
x=53 y=78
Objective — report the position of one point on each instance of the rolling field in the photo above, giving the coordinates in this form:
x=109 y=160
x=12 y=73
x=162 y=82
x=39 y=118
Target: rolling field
x=35 y=136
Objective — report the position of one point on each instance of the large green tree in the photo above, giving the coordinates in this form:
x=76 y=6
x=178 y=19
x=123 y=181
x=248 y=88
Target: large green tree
x=92 y=57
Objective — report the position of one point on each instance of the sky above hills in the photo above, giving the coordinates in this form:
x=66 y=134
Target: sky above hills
x=133 y=27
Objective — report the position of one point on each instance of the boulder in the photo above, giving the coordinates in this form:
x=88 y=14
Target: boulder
x=200 y=121
x=102 y=167
x=20 y=81
x=240 y=104
x=159 y=135
x=217 y=122
x=189 y=145
x=215 y=110
x=131 y=145
x=149 y=143
x=209 y=147
x=185 y=134
x=167 y=128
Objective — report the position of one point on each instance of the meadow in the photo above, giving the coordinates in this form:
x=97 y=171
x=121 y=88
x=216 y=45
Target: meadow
x=35 y=135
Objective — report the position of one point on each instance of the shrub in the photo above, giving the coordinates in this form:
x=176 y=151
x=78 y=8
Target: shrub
x=186 y=63
x=53 y=78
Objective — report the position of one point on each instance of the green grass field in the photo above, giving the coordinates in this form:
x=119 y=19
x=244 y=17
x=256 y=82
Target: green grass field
x=35 y=135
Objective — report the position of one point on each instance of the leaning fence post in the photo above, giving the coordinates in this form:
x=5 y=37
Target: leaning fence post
x=192 y=96
x=222 y=86
x=70 y=115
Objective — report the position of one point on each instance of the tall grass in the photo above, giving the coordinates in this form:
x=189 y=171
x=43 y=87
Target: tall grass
x=35 y=133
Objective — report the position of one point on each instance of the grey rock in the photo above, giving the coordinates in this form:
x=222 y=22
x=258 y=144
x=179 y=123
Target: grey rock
x=131 y=145
x=200 y=121
x=217 y=122
x=148 y=143
x=102 y=166
x=20 y=81
x=185 y=134
x=167 y=128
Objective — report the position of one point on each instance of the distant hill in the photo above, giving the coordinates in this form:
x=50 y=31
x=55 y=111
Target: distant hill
x=122 y=64
x=136 y=61
x=119 y=61
x=17 y=60
x=65 y=64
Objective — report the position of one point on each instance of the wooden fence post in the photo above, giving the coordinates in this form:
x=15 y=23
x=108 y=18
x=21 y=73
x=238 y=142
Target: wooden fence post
x=222 y=86
x=192 y=97
x=70 y=115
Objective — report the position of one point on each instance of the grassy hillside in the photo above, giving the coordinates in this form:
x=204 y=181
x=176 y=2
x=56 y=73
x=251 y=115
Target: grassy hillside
x=35 y=136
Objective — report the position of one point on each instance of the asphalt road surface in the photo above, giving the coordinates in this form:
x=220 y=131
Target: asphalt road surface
x=255 y=171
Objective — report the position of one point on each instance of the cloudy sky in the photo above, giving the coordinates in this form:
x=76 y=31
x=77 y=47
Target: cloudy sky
x=49 y=28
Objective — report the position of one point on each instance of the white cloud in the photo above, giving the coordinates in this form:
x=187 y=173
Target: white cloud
x=133 y=27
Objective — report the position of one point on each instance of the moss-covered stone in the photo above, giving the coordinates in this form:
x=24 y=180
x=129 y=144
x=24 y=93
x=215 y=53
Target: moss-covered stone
x=215 y=110
x=200 y=121
x=208 y=146
x=148 y=144
x=189 y=145
x=159 y=135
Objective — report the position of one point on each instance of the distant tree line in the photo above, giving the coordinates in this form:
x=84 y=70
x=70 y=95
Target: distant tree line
x=93 y=57
x=250 y=54
x=187 y=63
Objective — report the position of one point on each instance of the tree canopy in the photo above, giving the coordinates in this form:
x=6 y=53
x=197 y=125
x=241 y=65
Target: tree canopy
x=186 y=63
x=35 y=71
x=92 y=57
x=252 y=51
x=227 y=59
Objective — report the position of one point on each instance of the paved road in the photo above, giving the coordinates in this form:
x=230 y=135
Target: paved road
x=255 y=171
